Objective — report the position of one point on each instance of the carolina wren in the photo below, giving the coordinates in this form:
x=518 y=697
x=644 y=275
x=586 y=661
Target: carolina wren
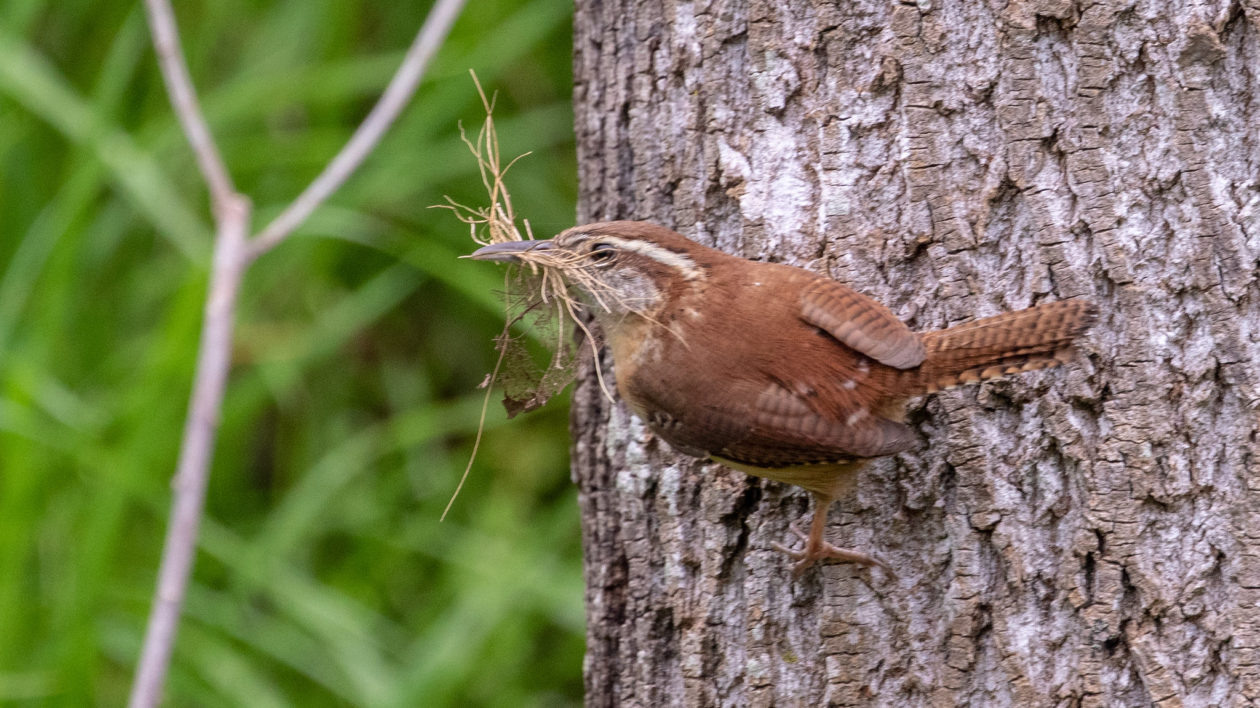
x=774 y=370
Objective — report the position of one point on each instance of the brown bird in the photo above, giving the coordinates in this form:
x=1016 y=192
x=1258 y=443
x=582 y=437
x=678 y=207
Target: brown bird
x=774 y=370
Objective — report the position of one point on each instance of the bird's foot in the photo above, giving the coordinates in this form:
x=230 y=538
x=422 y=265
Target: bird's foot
x=817 y=549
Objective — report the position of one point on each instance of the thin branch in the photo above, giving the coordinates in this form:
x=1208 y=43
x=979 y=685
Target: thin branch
x=369 y=133
x=232 y=217
x=213 y=360
x=233 y=253
x=184 y=99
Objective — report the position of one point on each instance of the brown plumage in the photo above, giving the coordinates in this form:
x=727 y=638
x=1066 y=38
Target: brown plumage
x=1010 y=343
x=777 y=371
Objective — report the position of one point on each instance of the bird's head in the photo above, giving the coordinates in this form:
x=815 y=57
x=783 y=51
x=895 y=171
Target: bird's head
x=617 y=267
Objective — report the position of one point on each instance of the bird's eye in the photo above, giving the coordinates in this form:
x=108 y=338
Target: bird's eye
x=603 y=253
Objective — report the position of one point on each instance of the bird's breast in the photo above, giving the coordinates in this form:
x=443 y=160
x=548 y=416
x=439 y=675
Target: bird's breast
x=635 y=353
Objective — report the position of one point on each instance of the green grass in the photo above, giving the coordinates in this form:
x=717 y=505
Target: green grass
x=324 y=576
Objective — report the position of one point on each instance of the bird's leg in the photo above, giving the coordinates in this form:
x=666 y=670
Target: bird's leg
x=816 y=548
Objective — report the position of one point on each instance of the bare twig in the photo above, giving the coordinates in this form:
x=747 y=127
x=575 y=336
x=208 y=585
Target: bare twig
x=233 y=253
x=369 y=133
x=213 y=361
x=184 y=99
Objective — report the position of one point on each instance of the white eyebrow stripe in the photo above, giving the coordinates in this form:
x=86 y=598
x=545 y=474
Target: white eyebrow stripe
x=682 y=263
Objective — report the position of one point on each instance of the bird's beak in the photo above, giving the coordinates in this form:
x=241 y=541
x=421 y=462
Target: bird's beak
x=508 y=251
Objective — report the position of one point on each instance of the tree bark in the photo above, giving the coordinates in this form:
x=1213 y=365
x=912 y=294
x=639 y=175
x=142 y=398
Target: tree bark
x=1081 y=536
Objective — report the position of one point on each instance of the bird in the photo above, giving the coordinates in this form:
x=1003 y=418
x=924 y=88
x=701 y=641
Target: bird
x=774 y=370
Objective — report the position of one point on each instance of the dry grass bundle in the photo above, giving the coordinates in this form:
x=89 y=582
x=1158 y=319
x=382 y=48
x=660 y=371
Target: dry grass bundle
x=537 y=292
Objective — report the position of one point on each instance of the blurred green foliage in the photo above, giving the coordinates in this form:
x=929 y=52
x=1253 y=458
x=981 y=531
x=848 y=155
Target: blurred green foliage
x=324 y=577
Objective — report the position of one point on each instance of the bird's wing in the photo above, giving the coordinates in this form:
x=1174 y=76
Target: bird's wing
x=784 y=430
x=861 y=323
x=763 y=424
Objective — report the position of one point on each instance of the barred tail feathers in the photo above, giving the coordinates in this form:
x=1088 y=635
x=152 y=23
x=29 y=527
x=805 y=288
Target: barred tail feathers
x=1010 y=343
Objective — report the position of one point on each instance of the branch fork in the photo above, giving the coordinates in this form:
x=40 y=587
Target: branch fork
x=234 y=251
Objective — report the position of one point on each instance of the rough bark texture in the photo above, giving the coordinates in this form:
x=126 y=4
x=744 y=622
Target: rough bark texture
x=1083 y=536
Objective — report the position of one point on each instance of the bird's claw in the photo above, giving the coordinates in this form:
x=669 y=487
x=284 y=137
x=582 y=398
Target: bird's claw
x=822 y=550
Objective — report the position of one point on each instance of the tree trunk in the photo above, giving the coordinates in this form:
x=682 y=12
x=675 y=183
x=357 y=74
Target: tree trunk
x=1087 y=535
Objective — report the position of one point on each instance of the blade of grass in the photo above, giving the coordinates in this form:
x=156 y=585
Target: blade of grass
x=31 y=81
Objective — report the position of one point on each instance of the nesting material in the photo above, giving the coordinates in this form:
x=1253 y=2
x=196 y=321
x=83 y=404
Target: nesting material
x=535 y=294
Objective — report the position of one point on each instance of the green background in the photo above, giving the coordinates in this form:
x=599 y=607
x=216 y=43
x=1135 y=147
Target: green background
x=324 y=576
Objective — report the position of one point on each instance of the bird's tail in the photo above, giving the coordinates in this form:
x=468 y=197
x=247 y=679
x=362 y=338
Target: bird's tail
x=1031 y=339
